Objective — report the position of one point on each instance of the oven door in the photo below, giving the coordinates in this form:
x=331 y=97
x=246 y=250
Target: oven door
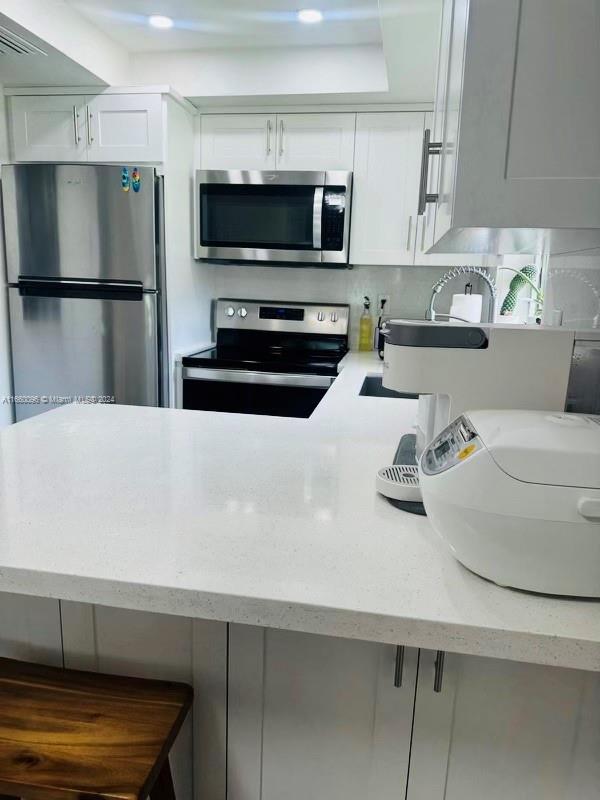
x=245 y=392
x=280 y=217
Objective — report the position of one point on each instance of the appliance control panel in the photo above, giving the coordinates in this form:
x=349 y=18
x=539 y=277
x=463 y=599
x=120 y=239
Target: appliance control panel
x=269 y=315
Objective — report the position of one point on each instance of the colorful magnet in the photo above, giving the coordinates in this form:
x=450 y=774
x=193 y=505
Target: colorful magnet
x=136 y=179
x=125 y=179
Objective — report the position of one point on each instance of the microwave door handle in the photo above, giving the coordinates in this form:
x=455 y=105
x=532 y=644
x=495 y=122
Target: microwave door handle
x=318 y=217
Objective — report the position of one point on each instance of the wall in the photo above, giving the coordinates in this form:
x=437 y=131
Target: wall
x=409 y=287
x=573 y=287
x=6 y=410
x=268 y=71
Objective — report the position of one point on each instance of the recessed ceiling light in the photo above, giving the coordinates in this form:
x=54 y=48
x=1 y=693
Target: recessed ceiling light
x=310 y=15
x=158 y=21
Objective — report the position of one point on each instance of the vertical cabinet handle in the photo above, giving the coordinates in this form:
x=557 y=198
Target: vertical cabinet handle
x=439 y=671
x=409 y=234
x=281 y=135
x=423 y=232
x=429 y=149
x=76 y=125
x=269 y=127
x=399 y=666
x=88 y=118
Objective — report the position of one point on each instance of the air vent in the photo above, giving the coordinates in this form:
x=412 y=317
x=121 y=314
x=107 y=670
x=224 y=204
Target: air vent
x=12 y=44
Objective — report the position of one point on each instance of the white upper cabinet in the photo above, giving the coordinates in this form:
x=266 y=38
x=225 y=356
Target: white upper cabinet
x=51 y=128
x=122 y=128
x=284 y=141
x=518 y=123
x=386 y=184
x=125 y=127
x=315 y=141
x=316 y=717
x=238 y=141
x=501 y=729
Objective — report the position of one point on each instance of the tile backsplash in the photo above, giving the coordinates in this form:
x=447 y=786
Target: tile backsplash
x=573 y=287
x=409 y=288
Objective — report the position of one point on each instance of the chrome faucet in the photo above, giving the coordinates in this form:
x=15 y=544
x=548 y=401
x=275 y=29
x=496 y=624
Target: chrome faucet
x=459 y=272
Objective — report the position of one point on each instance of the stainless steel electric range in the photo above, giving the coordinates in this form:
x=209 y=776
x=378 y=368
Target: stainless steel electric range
x=272 y=358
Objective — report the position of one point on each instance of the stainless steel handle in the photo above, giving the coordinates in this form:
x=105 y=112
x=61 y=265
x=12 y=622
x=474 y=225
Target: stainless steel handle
x=318 y=217
x=423 y=232
x=409 y=235
x=399 y=666
x=429 y=149
x=269 y=128
x=76 y=125
x=267 y=378
x=88 y=120
x=281 y=135
x=439 y=671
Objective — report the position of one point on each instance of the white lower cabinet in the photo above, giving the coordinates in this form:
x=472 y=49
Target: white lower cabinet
x=30 y=629
x=316 y=717
x=502 y=729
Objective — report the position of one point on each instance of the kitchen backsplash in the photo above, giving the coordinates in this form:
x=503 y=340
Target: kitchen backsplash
x=573 y=287
x=409 y=288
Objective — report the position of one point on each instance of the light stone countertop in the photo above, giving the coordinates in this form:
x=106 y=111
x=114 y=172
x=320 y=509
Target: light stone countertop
x=259 y=520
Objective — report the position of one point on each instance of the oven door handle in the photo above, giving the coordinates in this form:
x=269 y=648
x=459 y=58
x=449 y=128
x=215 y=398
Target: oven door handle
x=318 y=217
x=265 y=378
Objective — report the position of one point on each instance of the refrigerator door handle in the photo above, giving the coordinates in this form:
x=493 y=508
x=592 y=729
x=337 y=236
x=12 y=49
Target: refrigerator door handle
x=86 y=289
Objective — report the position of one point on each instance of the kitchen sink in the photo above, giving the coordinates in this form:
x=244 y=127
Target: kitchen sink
x=373 y=387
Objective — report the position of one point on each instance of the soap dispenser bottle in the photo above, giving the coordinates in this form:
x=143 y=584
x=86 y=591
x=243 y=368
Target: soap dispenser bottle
x=365 y=331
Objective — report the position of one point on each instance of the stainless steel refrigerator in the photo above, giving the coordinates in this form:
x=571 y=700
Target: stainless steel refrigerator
x=84 y=251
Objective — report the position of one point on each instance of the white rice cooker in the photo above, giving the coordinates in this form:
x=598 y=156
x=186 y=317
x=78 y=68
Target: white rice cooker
x=516 y=496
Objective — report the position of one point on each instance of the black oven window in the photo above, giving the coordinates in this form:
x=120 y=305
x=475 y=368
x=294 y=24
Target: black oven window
x=269 y=217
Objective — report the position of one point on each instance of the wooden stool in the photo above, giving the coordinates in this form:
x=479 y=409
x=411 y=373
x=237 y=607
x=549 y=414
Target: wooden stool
x=66 y=734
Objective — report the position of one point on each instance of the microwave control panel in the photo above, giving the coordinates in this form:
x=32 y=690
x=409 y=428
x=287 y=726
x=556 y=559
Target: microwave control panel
x=333 y=219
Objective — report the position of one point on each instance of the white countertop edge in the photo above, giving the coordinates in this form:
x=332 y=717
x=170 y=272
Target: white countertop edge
x=491 y=642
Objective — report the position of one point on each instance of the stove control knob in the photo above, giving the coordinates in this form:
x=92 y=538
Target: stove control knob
x=334 y=317
x=242 y=312
x=230 y=311
x=321 y=316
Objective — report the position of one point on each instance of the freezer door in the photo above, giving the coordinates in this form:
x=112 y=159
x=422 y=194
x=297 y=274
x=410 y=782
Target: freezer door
x=76 y=221
x=85 y=349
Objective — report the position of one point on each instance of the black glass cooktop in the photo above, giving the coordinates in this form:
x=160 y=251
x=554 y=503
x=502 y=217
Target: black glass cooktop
x=269 y=352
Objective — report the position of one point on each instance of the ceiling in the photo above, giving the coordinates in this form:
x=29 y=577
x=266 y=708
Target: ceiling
x=201 y=24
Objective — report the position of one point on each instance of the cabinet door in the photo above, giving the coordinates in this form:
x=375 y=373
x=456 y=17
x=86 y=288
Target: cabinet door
x=426 y=225
x=30 y=629
x=316 y=717
x=387 y=168
x=50 y=128
x=238 y=141
x=501 y=729
x=126 y=128
x=315 y=141
x=150 y=645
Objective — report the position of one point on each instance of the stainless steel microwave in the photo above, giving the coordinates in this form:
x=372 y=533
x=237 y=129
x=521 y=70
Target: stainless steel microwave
x=281 y=217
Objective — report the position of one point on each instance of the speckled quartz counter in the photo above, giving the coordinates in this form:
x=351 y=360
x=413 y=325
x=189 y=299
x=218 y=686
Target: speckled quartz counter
x=260 y=520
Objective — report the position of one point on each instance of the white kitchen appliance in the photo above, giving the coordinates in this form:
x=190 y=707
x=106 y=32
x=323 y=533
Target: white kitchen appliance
x=516 y=496
x=455 y=366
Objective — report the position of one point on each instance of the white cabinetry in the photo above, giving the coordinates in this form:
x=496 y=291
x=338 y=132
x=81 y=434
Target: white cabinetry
x=316 y=717
x=315 y=141
x=518 y=122
x=500 y=729
x=106 y=128
x=284 y=141
x=386 y=184
x=238 y=141
x=51 y=128
x=30 y=629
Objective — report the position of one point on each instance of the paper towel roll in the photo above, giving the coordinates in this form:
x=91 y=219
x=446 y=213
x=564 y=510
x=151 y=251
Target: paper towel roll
x=467 y=306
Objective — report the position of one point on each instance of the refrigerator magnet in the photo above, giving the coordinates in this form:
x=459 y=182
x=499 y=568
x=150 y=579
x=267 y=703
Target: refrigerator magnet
x=136 y=180
x=125 y=179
